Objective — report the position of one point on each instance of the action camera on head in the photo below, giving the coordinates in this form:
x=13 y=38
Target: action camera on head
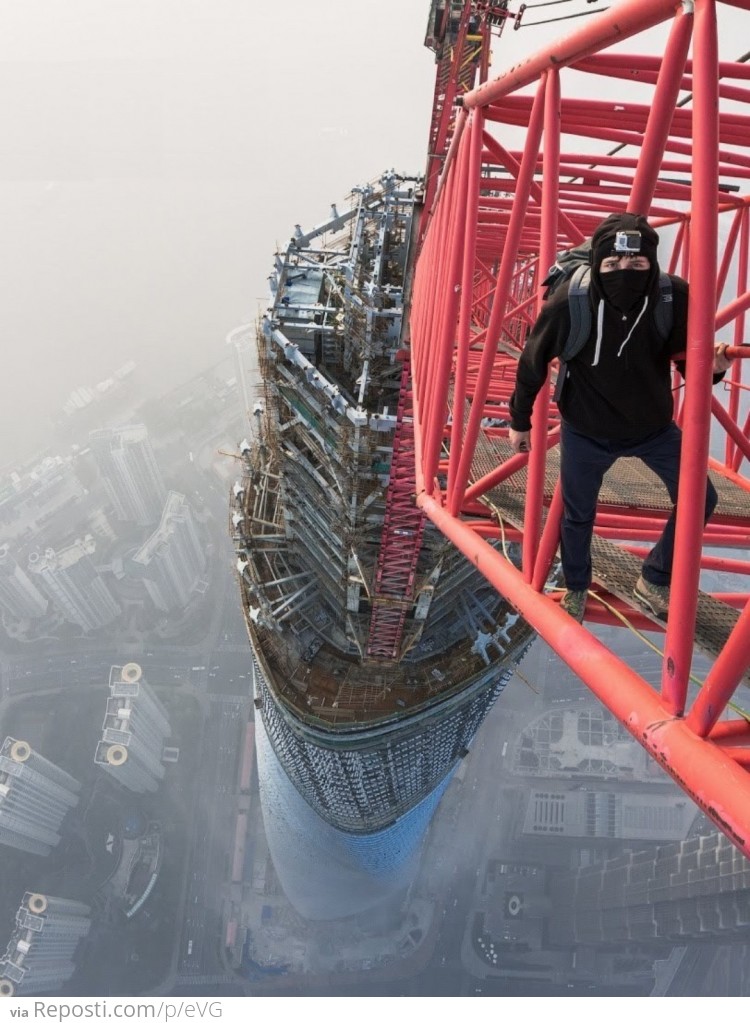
x=628 y=242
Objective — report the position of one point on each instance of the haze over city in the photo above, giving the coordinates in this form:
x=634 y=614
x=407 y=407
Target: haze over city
x=154 y=155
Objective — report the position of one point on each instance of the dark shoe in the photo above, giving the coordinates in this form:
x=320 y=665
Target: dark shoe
x=574 y=602
x=654 y=598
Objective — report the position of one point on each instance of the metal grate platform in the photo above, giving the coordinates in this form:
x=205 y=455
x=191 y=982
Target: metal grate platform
x=628 y=484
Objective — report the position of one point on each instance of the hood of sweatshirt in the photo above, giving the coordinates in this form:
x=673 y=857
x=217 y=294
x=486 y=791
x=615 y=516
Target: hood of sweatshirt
x=602 y=245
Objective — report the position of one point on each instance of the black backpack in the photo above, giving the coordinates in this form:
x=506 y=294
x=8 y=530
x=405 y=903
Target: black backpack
x=574 y=265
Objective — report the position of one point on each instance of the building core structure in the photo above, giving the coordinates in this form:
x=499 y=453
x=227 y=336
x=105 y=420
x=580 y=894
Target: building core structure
x=134 y=731
x=39 y=956
x=35 y=797
x=378 y=649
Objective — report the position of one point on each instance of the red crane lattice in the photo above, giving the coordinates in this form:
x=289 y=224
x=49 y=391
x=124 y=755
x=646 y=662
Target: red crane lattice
x=401 y=539
x=523 y=179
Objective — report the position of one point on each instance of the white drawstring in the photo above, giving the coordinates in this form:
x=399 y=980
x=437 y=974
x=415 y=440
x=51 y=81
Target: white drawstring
x=637 y=321
x=599 y=326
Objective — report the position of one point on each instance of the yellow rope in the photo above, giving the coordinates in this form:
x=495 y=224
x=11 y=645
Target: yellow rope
x=526 y=681
x=496 y=512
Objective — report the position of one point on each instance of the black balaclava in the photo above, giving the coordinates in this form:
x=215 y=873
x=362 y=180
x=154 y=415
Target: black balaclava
x=624 y=289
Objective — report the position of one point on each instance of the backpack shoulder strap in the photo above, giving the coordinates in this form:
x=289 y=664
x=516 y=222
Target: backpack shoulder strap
x=664 y=311
x=580 y=322
x=580 y=313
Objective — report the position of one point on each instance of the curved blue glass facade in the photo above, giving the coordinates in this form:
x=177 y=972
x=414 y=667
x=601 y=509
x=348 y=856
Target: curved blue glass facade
x=327 y=874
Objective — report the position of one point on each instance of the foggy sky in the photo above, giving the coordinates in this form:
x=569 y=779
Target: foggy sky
x=153 y=153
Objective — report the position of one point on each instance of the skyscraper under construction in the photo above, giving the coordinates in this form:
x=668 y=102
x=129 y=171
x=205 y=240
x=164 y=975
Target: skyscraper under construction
x=378 y=650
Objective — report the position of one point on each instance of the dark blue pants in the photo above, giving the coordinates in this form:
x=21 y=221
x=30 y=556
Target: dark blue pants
x=583 y=463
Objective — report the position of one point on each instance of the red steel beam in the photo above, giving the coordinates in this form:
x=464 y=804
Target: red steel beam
x=678 y=652
x=661 y=114
x=547 y=252
x=620 y=22
x=475 y=131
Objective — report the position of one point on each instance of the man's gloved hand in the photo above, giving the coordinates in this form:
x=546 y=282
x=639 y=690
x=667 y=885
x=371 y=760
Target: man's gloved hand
x=520 y=440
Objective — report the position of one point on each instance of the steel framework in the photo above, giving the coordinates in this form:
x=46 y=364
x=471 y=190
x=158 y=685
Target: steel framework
x=501 y=211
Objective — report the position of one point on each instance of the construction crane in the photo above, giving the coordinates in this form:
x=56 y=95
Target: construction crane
x=460 y=36
x=528 y=163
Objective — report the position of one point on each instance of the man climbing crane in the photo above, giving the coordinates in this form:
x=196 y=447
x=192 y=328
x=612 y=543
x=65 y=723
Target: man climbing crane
x=614 y=391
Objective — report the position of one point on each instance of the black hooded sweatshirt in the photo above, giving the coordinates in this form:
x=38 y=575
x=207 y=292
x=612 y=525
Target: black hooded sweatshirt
x=619 y=386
